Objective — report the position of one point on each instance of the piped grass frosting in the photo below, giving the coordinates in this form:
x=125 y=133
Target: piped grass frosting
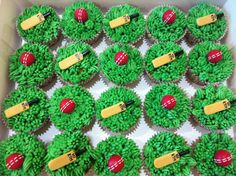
x=41 y=68
x=162 y=144
x=45 y=32
x=78 y=30
x=64 y=143
x=82 y=114
x=31 y=119
x=82 y=71
x=210 y=32
x=207 y=96
x=170 y=72
x=32 y=150
x=161 y=28
x=123 y=121
x=113 y=67
x=167 y=106
x=107 y=165
x=127 y=33
x=204 y=69
x=205 y=150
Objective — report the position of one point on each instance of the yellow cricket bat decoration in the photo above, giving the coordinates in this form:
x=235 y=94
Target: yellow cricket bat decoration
x=218 y=106
x=208 y=19
x=122 y=20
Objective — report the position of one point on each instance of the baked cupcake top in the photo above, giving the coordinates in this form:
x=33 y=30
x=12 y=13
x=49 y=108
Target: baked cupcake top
x=124 y=115
x=31 y=111
x=211 y=62
x=46 y=31
x=21 y=154
x=175 y=146
x=215 y=154
x=31 y=65
x=213 y=31
x=82 y=21
x=76 y=63
x=118 y=155
x=167 y=106
x=71 y=107
x=166 y=23
x=203 y=111
x=171 y=67
x=131 y=30
x=121 y=64
x=79 y=154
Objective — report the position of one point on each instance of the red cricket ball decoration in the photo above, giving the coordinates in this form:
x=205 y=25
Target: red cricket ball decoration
x=27 y=58
x=223 y=158
x=14 y=161
x=67 y=106
x=81 y=15
x=214 y=56
x=121 y=58
x=169 y=17
x=168 y=102
x=115 y=163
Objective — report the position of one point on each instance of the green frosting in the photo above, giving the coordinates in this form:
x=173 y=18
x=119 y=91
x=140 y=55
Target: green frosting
x=166 y=32
x=36 y=73
x=205 y=150
x=81 y=71
x=82 y=31
x=209 y=95
x=65 y=143
x=210 y=32
x=121 y=74
x=123 y=121
x=30 y=147
x=127 y=33
x=172 y=71
x=122 y=146
x=162 y=144
x=207 y=71
x=84 y=108
x=45 y=32
x=31 y=119
x=161 y=116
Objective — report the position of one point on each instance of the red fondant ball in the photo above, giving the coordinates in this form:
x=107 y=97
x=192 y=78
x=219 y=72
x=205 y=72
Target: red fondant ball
x=214 y=56
x=81 y=15
x=67 y=106
x=168 y=102
x=169 y=17
x=115 y=163
x=14 y=161
x=223 y=158
x=121 y=58
x=27 y=58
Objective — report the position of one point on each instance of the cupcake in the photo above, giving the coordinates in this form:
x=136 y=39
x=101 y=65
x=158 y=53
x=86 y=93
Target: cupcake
x=39 y=24
x=76 y=63
x=167 y=106
x=117 y=155
x=215 y=155
x=71 y=108
x=69 y=154
x=165 y=62
x=25 y=109
x=21 y=154
x=82 y=21
x=124 y=23
x=166 y=23
x=121 y=64
x=31 y=65
x=213 y=107
x=167 y=154
x=210 y=63
x=206 y=23
x=118 y=110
